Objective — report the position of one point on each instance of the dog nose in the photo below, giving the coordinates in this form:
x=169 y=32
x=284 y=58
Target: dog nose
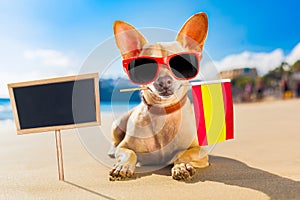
x=164 y=82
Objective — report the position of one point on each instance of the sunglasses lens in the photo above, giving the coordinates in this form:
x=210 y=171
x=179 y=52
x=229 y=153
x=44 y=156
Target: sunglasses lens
x=184 y=66
x=142 y=70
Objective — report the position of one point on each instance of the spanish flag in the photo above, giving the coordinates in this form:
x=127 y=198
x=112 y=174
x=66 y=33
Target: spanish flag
x=213 y=109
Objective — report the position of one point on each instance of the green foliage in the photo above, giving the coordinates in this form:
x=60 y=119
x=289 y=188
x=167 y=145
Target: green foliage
x=296 y=66
x=272 y=78
x=240 y=82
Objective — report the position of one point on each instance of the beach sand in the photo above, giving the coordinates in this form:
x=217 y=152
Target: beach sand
x=262 y=162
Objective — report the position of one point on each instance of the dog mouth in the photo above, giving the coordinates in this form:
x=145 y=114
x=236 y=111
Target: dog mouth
x=166 y=93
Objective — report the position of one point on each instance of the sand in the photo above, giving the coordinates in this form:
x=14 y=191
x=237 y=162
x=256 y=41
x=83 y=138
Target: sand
x=263 y=162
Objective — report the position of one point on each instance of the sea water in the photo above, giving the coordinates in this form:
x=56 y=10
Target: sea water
x=5 y=110
x=108 y=107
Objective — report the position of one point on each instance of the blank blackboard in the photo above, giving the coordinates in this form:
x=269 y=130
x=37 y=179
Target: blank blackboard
x=55 y=104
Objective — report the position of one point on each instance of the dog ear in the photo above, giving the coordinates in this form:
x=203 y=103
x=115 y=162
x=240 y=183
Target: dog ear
x=128 y=39
x=193 y=33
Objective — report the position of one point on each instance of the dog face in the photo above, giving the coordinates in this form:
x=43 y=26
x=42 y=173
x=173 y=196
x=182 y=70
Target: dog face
x=165 y=87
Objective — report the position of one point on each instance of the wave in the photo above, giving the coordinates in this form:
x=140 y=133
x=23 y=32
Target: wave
x=5 y=108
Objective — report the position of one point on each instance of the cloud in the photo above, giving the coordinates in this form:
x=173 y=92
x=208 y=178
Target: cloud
x=23 y=56
x=48 y=58
x=25 y=65
x=263 y=61
x=294 y=55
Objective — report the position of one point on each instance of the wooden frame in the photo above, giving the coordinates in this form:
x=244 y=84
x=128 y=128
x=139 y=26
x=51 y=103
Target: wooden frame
x=60 y=127
x=11 y=86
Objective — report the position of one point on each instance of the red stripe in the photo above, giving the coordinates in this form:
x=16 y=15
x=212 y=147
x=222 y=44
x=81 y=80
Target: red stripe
x=228 y=107
x=199 y=114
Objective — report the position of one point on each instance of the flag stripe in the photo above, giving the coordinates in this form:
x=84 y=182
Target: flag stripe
x=228 y=106
x=214 y=113
x=199 y=115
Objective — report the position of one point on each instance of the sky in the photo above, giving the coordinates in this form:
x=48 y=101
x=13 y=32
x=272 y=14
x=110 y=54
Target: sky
x=41 y=39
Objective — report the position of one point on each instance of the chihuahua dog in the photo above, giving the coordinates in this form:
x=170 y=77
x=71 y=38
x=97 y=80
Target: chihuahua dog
x=162 y=128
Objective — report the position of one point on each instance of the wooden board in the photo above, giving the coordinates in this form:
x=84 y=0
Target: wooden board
x=56 y=104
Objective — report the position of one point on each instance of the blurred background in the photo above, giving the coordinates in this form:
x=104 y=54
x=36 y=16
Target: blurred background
x=254 y=43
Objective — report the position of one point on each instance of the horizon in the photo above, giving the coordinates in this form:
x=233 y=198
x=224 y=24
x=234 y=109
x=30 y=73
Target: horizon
x=51 y=38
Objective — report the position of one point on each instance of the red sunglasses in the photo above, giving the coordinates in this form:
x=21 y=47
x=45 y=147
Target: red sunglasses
x=144 y=69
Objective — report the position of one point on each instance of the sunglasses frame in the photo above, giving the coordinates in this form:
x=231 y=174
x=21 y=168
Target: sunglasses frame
x=161 y=61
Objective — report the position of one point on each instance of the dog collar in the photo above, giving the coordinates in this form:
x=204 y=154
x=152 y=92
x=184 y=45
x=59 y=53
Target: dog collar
x=167 y=109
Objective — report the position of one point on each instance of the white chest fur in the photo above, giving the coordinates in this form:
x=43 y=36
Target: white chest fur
x=156 y=138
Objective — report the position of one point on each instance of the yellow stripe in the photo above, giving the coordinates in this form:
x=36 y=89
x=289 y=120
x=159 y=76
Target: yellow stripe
x=214 y=113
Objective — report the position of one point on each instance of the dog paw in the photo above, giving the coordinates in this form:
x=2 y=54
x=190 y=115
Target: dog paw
x=121 y=172
x=183 y=171
x=111 y=152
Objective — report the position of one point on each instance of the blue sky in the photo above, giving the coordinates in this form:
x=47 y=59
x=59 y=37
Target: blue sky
x=234 y=25
x=37 y=32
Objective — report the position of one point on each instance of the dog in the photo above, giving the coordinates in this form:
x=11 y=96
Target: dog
x=162 y=128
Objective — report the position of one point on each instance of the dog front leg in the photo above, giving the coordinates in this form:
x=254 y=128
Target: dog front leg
x=187 y=161
x=125 y=166
x=118 y=132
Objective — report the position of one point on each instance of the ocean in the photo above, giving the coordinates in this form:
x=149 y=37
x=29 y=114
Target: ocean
x=5 y=110
x=7 y=114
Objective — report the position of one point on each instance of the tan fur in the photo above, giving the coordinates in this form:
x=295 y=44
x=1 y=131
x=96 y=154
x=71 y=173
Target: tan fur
x=141 y=136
